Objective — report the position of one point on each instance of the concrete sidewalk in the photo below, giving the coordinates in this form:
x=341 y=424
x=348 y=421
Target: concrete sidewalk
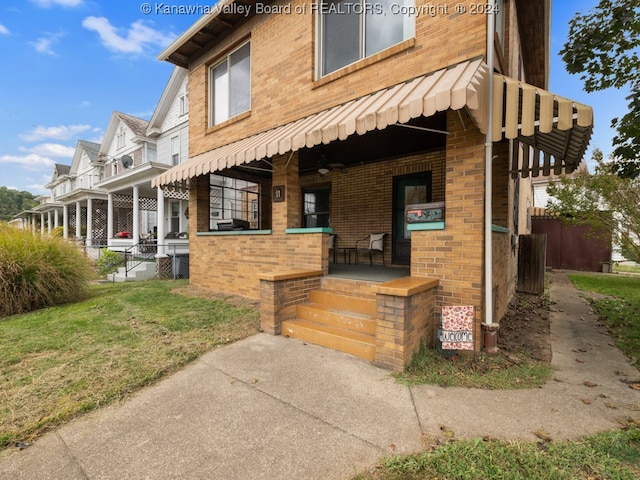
x=276 y=408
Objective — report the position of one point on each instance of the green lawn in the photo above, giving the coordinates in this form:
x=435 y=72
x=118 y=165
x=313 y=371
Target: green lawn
x=58 y=362
x=608 y=455
x=620 y=312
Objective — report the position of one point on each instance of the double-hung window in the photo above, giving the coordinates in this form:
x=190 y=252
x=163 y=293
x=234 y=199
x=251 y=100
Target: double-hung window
x=230 y=86
x=351 y=30
x=175 y=150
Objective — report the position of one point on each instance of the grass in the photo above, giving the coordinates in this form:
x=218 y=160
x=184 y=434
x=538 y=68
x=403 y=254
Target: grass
x=479 y=370
x=61 y=361
x=621 y=312
x=626 y=268
x=608 y=455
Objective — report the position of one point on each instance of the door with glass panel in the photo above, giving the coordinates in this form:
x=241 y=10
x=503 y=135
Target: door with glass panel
x=407 y=190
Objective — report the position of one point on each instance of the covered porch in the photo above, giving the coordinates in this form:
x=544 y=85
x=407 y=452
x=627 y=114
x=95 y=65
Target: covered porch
x=342 y=174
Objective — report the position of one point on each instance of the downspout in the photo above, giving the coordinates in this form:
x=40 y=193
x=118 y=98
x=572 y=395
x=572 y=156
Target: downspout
x=488 y=327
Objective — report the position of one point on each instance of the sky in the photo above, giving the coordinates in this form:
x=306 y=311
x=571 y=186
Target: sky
x=68 y=64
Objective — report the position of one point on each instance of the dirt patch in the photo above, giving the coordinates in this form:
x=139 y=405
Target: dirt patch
x=235 y=300
x=526 y=328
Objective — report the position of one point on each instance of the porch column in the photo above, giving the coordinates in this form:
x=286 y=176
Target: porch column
x=160 y=221
x=56 y=219
x=89 y=221
x=109 y=216
x=42 y=224
x=49 y=222
x=287 y=213
x=78 y=220
x=136 y=214
x=65 y=221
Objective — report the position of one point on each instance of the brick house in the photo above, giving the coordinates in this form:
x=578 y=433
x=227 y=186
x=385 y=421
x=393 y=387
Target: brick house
x=337 y=117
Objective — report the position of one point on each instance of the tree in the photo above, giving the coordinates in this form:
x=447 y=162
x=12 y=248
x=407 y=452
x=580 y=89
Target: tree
x=604 y=47
x=605 y=201
x=13 y=202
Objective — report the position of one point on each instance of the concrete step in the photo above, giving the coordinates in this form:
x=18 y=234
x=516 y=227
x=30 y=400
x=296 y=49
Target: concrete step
x=359 y=288
x=343 y=301
x=354 y=343
x=144 y=271
x=328 y=315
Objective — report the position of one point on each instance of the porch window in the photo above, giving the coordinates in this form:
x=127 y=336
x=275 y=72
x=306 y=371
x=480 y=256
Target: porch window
x=233 y=204
x=175 y=216
x=354 y=29
x=316 y=206
x=230 y=86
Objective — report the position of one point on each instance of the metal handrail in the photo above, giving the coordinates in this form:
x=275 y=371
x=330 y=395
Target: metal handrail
x=137 y=254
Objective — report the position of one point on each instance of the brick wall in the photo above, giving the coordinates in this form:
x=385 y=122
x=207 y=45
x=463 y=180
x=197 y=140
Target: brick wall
x=362 y=197
x=455 y=255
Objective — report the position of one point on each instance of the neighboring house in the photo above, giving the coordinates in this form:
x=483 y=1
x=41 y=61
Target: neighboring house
x=129 y=157
x=48 y=213
x=105 y=198
x=169 y=126
x=337 y=123
x=84 y=203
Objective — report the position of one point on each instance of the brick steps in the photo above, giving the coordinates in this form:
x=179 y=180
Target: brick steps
x=334 y=320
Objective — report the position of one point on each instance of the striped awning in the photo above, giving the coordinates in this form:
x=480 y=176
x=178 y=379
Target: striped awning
x=557 y=129
x=549 y=123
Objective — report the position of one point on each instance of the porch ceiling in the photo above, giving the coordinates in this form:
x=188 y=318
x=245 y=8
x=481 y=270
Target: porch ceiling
x=555 y=125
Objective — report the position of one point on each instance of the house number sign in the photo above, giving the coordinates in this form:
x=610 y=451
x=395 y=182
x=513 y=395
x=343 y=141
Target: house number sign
x=278 y=193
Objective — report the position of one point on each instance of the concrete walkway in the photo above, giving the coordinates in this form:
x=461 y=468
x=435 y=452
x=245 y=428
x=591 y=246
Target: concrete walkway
x=276 y=408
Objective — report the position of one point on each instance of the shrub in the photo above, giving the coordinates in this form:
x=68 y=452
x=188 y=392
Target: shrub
x=108 y=262
x=37 y=272
x=57 y=232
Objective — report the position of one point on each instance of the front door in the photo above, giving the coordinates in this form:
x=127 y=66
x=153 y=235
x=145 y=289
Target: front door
x=407 y=190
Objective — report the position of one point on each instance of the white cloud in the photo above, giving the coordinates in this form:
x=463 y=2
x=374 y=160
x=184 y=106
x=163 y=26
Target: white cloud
x=55 y=3
x=51 y=150
x=30 y=161
x=4 y=30
x=61 y=132
x=134 y=40
x=45 y=44
x=85 y=103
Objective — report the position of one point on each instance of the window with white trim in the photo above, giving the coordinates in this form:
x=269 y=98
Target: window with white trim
x=184 y=103
x=175 y=150
x=121 y=137
x=351 y=30
x=230 y=86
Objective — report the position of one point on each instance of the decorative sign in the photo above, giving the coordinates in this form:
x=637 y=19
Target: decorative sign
x=457 y=327
x=425 y=212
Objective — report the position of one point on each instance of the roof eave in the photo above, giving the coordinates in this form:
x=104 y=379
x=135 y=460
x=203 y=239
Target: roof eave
x=169 y=54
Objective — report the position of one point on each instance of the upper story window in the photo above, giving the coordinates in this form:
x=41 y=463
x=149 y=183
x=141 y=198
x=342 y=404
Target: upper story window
x=351 y=30
x=121 y=137
x=175 y=150
x=230 y=86
x=184 y=103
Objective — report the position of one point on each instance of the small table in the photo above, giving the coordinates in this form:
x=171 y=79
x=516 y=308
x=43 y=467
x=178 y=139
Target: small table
x=347 y=254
